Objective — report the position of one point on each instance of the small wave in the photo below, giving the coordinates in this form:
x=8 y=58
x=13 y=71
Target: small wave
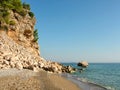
x=82 y=79
x=110 y=88
x=89 y=82
x=85 y=80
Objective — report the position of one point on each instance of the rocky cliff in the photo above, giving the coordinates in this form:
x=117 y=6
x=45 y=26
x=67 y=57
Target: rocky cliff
x=22 y=32
x=18 y=47
x=16 y=55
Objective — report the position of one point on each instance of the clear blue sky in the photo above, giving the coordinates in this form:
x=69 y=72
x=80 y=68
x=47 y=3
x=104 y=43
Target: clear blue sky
x=75 y=30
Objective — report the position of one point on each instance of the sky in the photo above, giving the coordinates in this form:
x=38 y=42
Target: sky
x=76 y=30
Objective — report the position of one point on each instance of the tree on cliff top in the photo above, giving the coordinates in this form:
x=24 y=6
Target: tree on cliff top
x=15 y=6
x=11 y=5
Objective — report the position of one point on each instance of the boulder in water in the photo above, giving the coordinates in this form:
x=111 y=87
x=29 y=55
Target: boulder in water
x=83 y=64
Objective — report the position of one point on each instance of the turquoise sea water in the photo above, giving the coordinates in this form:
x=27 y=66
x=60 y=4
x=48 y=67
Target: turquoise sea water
x=104 y=74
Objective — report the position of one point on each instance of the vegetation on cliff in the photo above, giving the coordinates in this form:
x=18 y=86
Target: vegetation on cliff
x=18 y=45
x=14 y=6
x=35 y=35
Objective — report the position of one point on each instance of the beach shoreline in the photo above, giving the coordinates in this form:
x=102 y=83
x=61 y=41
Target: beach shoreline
x=84 y=85
x=14 y=79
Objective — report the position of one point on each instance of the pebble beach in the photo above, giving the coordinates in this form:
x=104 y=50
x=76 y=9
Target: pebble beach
x=13 y=79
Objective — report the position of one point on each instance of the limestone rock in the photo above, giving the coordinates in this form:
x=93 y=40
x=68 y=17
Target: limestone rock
x=6 y=62
x=12 y=64
x=19 y=66
x=41 y=65
x=17 y=49
x=83 y=64
x=68 y=69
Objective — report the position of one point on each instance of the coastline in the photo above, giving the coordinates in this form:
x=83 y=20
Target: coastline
x=27 y=80
x=84 y=85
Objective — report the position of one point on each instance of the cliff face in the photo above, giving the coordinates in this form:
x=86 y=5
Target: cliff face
x=14 y=55
x=17 y=46
x=22 y=31
x=18 y=42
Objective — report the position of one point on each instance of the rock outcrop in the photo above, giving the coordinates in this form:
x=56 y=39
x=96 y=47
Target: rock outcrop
x=83 y=64
x=14 y=55
x=22 y=31
x=19 y=50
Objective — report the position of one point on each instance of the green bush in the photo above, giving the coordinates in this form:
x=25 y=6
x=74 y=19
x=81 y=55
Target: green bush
x=5 y=14
x=31 y=14
x=11 y=5
x=26 y=6
x=15 y=6
x=6 y=4
x=35 y=34
x=6 y=20
x=4 y=28
x=23 y=13
x=12 y=22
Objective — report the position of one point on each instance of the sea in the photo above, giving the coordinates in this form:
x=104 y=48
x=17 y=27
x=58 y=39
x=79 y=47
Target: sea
x=103 y=74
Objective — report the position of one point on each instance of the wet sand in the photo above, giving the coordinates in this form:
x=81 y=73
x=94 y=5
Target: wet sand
x=14 y=79
x=83 y=84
